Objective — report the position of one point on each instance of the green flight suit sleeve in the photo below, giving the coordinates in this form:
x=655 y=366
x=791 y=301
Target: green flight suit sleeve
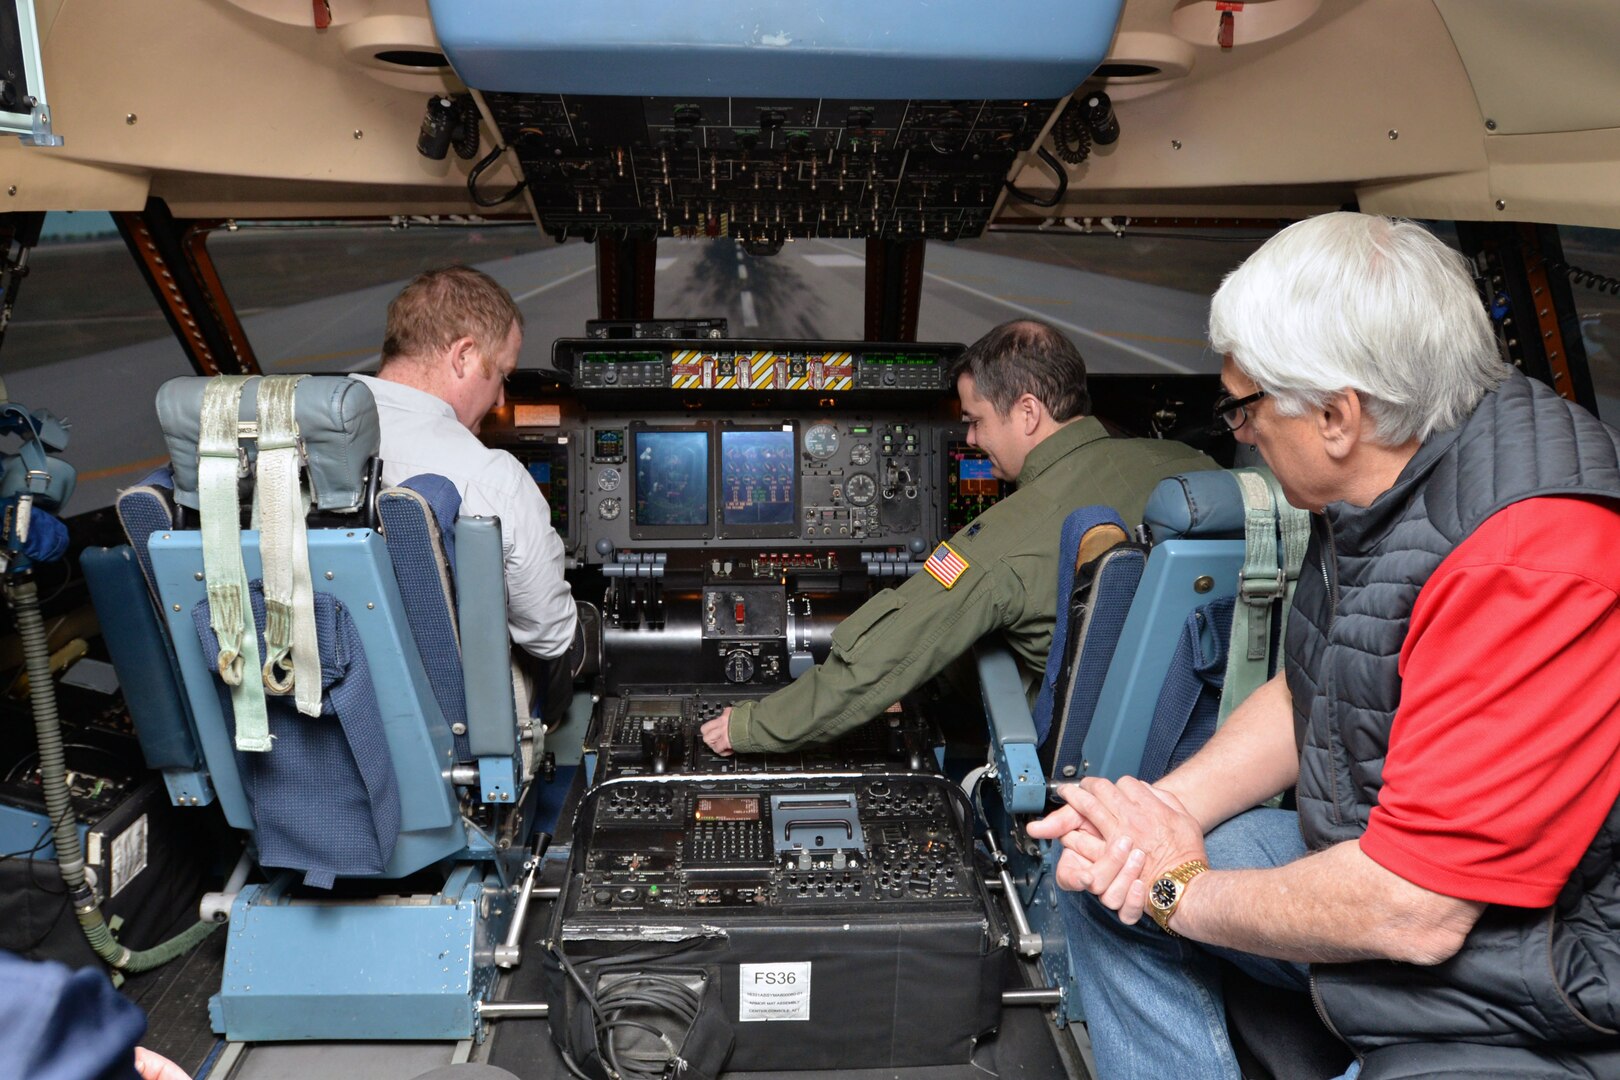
x=891 y=645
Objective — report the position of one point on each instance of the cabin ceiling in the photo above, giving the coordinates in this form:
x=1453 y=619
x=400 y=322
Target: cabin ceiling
x=244 y=108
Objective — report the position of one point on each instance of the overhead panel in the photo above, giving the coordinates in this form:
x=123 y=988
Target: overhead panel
x=770 y=121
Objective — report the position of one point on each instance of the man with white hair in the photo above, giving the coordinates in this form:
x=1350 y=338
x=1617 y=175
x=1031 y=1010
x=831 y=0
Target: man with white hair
x=1449 y=889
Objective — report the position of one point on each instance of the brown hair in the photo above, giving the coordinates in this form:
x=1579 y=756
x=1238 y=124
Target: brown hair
x=1027 y=357
x=440 y=306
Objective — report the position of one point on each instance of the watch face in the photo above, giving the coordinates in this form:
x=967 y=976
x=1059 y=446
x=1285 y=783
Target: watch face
x=1163 y=893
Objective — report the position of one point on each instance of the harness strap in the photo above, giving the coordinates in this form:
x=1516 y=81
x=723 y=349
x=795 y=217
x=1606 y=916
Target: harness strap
x=293 y=662
x=1260 y=584
x=220 y=468
x=1294 y=525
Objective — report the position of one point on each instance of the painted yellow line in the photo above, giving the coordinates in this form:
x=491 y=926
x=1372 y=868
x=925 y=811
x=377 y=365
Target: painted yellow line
x=120 y=470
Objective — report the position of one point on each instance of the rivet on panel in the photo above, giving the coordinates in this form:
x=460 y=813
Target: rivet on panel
x=1203 y=584
x=1393 y=134
x=130 y=118
x=329 y=575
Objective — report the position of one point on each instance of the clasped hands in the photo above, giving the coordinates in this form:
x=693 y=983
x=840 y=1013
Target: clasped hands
x=1117 y=838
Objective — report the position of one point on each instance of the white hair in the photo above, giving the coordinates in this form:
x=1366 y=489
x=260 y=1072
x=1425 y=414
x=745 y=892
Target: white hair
x=1365 y=303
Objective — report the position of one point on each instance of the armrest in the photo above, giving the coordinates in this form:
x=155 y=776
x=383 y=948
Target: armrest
x=1012 y=729
x=486 y=652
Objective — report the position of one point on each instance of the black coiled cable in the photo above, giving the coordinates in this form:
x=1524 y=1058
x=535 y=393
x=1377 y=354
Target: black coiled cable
x=1071 y=135
x=1585 y=278
x=467 y=119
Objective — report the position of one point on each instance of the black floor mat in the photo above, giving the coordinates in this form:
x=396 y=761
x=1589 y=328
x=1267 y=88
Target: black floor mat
x=175 y=997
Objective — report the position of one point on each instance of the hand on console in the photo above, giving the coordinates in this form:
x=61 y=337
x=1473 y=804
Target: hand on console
x=717 y=733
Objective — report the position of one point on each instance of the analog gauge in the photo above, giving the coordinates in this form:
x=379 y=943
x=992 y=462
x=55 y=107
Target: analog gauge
x=860 y=454
x=608 y=479
x=739 y=666
x=860 y=489
x=608 y=509
x=821 y=441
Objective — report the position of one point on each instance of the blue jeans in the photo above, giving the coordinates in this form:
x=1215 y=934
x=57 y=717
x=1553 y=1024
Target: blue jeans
x=1153 y=1002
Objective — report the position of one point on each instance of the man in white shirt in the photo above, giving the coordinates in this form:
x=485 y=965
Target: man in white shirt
x=453 y=336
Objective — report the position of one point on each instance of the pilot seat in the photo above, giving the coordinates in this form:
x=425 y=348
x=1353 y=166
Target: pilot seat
x=360 y=730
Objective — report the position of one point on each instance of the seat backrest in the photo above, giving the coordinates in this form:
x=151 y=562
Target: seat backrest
x=1152 y=708
x=365 y=788
x=1098 y=571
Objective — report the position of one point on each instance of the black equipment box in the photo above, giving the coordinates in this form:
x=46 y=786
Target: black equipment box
x=840 y=917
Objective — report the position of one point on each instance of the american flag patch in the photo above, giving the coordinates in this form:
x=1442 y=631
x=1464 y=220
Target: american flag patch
x=946 y=565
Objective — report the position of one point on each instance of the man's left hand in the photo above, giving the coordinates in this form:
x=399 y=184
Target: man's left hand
x=717 y=733
x=1118 y=838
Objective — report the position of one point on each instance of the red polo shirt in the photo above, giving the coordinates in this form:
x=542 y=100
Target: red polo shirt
x=1504 y=757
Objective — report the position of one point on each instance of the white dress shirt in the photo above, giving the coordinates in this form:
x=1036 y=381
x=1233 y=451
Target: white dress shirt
x=420 y=434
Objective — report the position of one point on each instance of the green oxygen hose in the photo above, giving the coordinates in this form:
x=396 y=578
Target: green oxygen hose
x=24 y=597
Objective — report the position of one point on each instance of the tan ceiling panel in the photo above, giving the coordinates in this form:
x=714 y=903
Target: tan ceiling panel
x=1540 y=65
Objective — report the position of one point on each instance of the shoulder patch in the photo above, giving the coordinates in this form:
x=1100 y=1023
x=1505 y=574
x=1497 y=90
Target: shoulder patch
x=946 y=565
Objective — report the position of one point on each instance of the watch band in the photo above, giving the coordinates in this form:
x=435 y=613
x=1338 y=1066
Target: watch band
x=1165 y=894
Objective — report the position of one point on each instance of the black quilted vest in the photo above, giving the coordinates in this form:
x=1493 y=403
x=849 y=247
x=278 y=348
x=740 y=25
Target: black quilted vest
x=1530 y=978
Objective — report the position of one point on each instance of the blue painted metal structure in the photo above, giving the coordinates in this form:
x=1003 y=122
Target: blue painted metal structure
x=385 y=971
x=952 y=49
x=408 y=968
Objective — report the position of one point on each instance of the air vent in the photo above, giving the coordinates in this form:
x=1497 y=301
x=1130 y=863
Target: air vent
x=1127 y=71
x=416 y=59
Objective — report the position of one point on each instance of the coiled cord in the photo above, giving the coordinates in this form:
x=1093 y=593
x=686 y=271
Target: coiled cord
x=1587 y=279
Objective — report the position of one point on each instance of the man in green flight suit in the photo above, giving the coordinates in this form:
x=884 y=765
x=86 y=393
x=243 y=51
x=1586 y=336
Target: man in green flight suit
x=1024 y=400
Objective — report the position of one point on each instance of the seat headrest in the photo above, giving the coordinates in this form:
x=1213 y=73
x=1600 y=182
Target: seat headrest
x=1196 y=506
x=337 y=421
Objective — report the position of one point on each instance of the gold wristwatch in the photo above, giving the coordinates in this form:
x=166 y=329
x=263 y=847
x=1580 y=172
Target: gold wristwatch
x=1165 y=894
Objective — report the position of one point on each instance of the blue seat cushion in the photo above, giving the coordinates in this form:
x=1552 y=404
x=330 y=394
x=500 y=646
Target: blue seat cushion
x=419 y=524
x=325 y=798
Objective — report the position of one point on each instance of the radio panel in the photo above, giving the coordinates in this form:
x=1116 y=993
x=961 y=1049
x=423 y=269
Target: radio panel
x=846 y=843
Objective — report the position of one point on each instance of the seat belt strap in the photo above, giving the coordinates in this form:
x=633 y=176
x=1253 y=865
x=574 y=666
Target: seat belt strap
x=1260 y=585
x=1294 y=526
x=292 y=661
x=220 y=469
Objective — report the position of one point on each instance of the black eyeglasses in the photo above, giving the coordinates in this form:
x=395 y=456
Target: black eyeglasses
x=1232 y=413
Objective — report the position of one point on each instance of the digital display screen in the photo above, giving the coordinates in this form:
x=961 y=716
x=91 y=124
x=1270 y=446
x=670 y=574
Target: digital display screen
x=609 y=446
x=756 y=477
x=973 y=477
x=672 y=477
x=902 y=359
x=622 y=357
x=727 y=808
x=547 y=466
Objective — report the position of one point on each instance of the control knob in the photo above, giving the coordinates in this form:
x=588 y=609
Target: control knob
x=739 y=666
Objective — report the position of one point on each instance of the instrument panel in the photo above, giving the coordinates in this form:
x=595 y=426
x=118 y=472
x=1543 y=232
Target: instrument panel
x=671 y=445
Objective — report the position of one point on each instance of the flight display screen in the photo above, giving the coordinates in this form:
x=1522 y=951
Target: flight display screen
x=974 y=477
x=970 y=487
x=757 y=478
x=671 y=478
x=547 y=466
